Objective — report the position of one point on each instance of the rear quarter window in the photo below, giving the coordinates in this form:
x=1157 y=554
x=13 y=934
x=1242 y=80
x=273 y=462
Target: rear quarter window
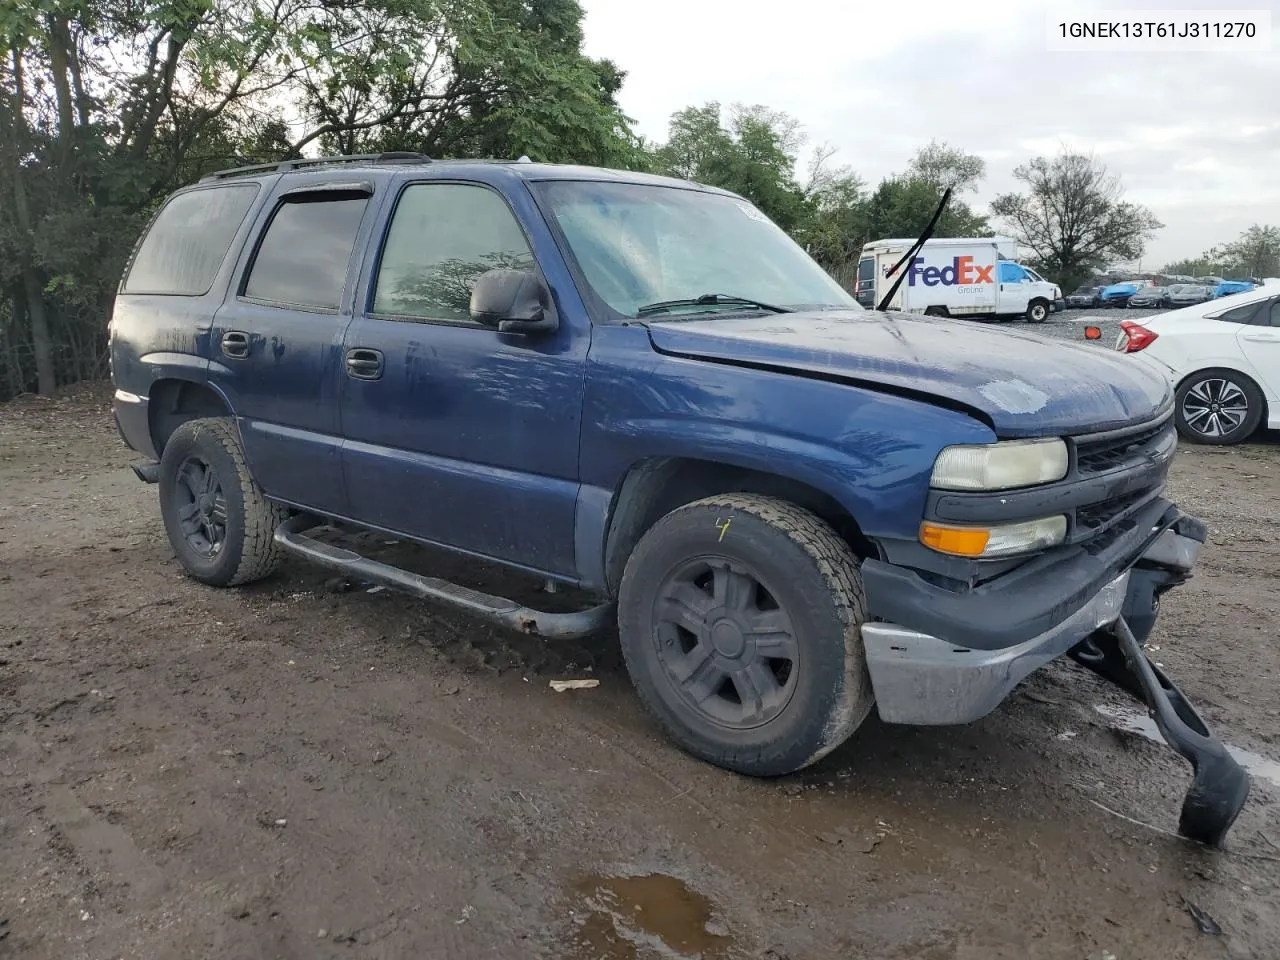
x=1246 y=314
x=187 y=243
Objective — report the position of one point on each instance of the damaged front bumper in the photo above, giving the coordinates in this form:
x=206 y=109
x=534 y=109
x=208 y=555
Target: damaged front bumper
x=921 y=678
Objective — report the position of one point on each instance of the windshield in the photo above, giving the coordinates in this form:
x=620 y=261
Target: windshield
x=639 y=245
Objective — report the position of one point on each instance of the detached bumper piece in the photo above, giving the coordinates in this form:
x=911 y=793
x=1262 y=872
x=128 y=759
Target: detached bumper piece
x=919 y=678
x=1220 y=785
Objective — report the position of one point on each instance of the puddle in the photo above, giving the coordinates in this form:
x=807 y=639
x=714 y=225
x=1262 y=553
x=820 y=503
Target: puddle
x=1138 y=722
x=628 y=918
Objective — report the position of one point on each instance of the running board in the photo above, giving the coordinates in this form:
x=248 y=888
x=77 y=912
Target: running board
x=499 y=610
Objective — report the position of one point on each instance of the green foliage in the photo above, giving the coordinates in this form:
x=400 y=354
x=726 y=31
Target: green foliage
x=108 y=105
x=755 y=154
x=1190 y=268
x=1255 y=253
x=1074 y=217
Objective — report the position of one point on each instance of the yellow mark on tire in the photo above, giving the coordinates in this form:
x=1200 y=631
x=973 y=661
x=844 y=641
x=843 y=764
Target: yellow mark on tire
x=723 y=527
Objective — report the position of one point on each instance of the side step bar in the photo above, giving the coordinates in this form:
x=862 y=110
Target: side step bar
x=499 y=610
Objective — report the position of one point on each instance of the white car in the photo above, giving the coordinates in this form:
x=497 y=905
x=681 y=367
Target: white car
x=1224 y=357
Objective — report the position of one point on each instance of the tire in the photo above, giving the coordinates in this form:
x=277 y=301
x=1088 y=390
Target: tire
x=937 y=312
x=219 y=523
x=1218 y=407
x=739 y=562
x=1037 y=311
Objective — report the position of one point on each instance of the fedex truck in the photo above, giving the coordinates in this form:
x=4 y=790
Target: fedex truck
x=967 y=277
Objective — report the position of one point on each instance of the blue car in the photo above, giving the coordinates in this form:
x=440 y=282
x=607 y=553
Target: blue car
x=789 y=511
x=1228 y=287
x=1118 y=294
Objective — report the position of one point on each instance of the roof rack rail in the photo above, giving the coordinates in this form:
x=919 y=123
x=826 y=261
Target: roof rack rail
x=283 y=166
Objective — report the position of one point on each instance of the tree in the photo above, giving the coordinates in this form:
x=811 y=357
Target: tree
x=1074 y=216
x=1255 y=253
x=1200 y=267
x=108 y=105
x=754 y=155
x=945 y=166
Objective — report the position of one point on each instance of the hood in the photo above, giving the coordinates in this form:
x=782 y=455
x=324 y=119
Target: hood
x=1022 y=384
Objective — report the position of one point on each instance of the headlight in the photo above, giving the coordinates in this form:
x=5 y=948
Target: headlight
x=1000 y=466
x=1005 y=540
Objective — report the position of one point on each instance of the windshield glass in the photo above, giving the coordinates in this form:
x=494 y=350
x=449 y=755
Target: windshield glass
x=639 y=244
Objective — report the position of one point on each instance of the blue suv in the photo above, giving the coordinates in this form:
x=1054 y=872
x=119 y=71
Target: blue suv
x=795 y=510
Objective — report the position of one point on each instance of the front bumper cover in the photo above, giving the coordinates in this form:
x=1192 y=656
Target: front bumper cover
x=919 y=678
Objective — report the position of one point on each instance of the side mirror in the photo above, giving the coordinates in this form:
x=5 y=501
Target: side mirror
x=514 y=301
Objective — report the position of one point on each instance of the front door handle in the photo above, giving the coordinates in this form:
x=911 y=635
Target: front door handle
x=364 y=363
x=235 y=344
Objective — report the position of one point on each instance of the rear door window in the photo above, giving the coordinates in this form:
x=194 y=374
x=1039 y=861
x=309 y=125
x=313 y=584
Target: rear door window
x=303 y=257
x=188 y=241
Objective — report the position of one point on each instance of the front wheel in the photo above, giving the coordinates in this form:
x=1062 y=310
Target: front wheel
x=1037 y=311
x=1218 y=407
x=218 y=521
x=740 y=622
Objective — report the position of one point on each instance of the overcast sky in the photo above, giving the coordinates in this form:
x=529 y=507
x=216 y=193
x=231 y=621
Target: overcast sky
x=1195 y=136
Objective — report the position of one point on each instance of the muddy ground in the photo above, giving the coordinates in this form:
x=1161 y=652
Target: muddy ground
x=296 y=771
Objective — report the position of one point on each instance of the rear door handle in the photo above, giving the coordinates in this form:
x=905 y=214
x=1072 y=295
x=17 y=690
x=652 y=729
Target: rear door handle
x=1265 y=337
x=235 y=344
x=364 y=363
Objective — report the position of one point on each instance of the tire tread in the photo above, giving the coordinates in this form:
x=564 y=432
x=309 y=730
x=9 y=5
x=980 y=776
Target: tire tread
x=838 y=567
x=259 y=554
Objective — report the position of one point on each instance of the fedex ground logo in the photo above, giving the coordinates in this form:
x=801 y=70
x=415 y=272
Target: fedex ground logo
x=963 y=272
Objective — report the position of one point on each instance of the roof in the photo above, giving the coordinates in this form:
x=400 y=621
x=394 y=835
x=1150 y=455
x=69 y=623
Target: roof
x=940 y=241
x=523 y=168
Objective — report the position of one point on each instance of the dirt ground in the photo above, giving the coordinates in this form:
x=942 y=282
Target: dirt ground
x=297 y=770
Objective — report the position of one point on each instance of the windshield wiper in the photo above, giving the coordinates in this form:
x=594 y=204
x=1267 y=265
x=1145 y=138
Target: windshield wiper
x=915 y=248
x=708 y=300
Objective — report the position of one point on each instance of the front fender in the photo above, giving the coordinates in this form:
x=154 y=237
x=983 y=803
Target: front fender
x=870 y=452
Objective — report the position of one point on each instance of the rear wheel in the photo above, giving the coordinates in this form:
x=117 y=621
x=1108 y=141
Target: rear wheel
x=740 y=622
x=1218 y=407
x=1037 y=311
x=219 y=523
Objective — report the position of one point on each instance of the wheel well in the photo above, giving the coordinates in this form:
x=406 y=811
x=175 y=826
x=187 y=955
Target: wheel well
x=1229 y=370
x=654 y=488
x=173 y=402
x=1235 y=373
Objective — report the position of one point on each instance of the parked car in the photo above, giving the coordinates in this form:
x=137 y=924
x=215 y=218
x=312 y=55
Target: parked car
x=1228 y=287
x=794 y=510
x=1149 y=297
x=1188 y=294
x=1085 y=298
x=1224 y=358
x=1118 y=294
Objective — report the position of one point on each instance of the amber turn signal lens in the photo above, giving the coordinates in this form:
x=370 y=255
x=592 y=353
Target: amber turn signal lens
x=957 y=541
x=1093 y=333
